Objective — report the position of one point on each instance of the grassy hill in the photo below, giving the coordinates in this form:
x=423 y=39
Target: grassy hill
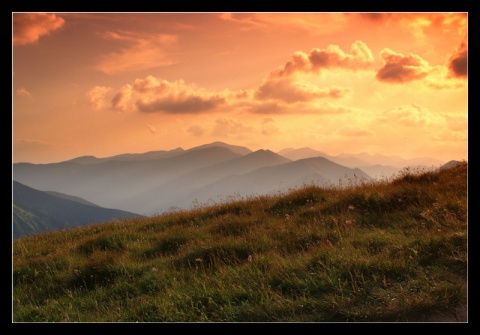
x=389 y=251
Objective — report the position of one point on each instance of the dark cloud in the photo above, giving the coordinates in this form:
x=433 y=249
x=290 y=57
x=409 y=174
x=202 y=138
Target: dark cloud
x=179 y=105
x=29 y=27
x=458 y=63
x=375 y=16
x=399 y=68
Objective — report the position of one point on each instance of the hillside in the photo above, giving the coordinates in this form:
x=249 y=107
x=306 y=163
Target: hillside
x=378 y=251
x=35 y=211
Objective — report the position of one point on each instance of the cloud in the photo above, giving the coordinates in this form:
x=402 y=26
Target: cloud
x=152 y=129
x=440 y=77
x=226 y=127
x=148 y=84
x=305 y=23
x=163 y=96
x=120 y=100
x=411 y=115
x=29 y=27
x=23 y=92
x=96 y=97
x=293 y=91
x=376 y=17
x=195 y=130
x=266 y=108
x=458 y=62
x=399 y=68
x=268 y=127
x=182 y=104
x=145 y=51
x=360 y=57
x=420 y=23
x=300 y=108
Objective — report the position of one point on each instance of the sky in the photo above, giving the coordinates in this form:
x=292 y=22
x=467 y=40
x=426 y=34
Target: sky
x=104 y=84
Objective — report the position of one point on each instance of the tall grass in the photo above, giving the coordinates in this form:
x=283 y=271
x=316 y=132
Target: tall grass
x=386 y=251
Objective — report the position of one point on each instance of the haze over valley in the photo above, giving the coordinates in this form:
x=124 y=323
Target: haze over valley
x=155 y=182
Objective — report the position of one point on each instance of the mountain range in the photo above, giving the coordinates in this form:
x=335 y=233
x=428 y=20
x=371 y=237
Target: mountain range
x=157 y=181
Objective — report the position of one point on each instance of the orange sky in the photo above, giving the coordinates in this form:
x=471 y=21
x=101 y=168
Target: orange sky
x=104 y=84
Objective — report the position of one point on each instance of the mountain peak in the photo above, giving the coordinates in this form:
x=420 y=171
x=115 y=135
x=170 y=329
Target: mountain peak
x=235 y=148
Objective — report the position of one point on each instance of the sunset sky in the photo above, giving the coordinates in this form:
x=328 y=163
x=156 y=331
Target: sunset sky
x=104 y=84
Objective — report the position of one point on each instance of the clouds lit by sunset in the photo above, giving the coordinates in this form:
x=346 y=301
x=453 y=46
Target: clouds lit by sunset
x=106 y=84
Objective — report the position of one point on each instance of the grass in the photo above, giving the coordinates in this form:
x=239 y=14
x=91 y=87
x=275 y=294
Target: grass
x=385 y=251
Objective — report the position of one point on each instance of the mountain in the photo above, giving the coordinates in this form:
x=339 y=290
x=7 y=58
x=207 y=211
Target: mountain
x=171 y=193
x=394 y=161
x=305 y=152
x=112 y=182
x=450 y=164
x=234 y=148
x=156 y=181
x=377 y=166
x=361 y=159
x=35 y=211
x=128 y=157
x=301 y=153
x=279 y=178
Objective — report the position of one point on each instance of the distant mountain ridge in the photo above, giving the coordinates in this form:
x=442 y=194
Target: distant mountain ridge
x=361 y=159
x=279 y=178
x=155 y=181
x=174 y=192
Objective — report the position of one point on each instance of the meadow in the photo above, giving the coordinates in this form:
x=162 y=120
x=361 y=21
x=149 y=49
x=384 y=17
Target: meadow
x=380 y=251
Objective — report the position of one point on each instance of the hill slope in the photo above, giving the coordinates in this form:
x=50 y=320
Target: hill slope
x=35 y=211
x=378 y=252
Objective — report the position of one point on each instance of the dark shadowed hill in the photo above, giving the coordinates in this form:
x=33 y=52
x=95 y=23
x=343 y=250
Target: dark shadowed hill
x=35 y=211
x=450 y=164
